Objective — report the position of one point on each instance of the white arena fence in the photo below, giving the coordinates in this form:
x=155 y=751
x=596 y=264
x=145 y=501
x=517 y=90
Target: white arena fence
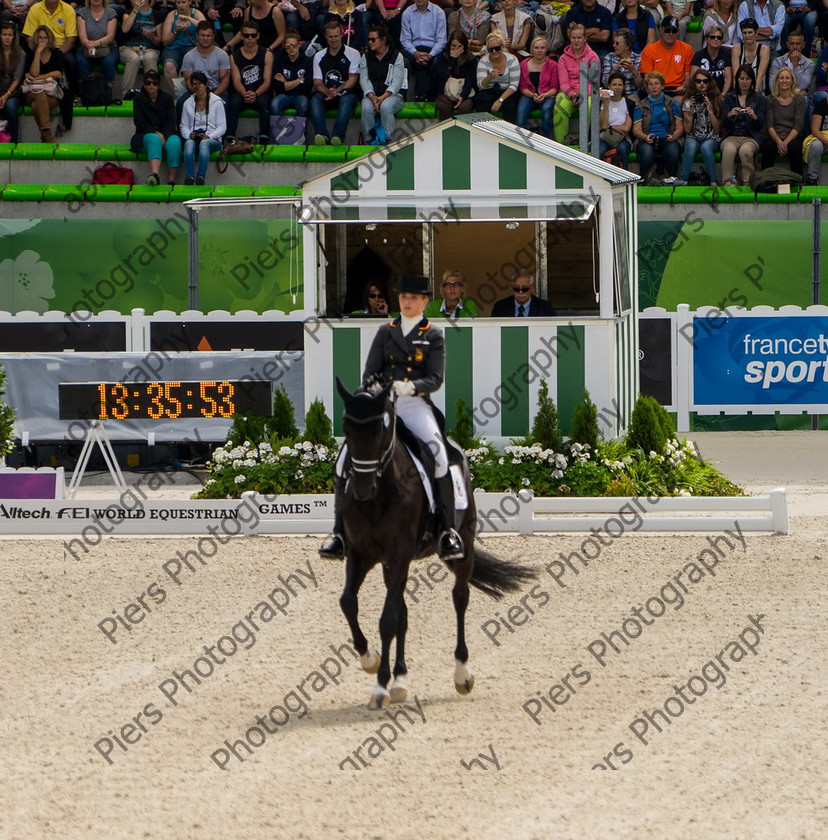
x=90 y=521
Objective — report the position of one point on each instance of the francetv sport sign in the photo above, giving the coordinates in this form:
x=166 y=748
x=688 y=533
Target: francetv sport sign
x=772 y=361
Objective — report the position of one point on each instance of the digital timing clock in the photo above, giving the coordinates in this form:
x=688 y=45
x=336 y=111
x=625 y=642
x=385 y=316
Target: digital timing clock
x=163 y=400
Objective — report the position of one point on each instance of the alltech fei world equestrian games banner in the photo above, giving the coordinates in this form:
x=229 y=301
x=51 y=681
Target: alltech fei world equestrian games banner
x=748 y=361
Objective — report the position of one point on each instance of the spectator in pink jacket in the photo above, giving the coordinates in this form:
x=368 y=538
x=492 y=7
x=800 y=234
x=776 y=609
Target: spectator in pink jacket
x=569 y=69
x=538 y=86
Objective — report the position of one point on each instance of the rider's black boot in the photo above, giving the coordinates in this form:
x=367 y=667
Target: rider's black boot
x=334 y=546
x=451 y=546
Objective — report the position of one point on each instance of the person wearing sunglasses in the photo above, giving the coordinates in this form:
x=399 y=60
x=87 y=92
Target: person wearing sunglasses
x=382 y=78
x=251 y=74
x=374 y=300
x=453 y=305
x=523 y=303
x=724 y=15
x=714 y=59
x=156 y=132
x=669 y=57
x=498 y=77
x=702 y=113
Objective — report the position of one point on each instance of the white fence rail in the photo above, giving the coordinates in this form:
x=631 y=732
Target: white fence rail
x=88 y=521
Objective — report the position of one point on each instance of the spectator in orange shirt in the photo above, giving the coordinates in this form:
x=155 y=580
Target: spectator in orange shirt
x=670 y=57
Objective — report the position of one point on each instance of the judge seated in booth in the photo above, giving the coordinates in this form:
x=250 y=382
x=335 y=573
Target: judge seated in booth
x=523 y=303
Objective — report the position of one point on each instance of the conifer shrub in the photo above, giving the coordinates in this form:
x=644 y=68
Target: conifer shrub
x=645 y=432
x=585 y=423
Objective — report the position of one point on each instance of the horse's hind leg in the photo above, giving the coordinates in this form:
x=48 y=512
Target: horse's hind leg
x=463 y=679
x=355 y=571
x=399 y=686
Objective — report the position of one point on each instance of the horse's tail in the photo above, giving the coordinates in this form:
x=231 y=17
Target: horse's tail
x=496 y=577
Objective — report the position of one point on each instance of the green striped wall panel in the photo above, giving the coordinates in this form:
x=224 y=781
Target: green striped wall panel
x=400 y=169
x=456 y=158
x=459 y=370
x=346 y=365
x=571 y=379
x=511 y=168
x=514 y=396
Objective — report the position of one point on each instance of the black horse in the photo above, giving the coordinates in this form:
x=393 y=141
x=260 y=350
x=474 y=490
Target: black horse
x=386 y=519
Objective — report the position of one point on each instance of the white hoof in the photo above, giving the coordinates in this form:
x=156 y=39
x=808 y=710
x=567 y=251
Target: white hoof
x=399 y=690
x=370 y=661
x=463 y=678
x=379 y=698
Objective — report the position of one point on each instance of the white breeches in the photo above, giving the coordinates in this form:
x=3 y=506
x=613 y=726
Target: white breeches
x=417 y=414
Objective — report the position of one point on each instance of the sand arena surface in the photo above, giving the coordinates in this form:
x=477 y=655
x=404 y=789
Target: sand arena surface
x=743 y=760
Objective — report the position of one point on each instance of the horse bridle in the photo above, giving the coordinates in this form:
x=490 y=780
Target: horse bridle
x=375 y=465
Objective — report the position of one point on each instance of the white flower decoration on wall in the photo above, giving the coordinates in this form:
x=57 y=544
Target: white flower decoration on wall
x=26 y=283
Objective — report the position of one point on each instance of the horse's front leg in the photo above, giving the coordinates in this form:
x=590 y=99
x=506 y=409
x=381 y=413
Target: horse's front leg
x=355 y=571
x=393 y=611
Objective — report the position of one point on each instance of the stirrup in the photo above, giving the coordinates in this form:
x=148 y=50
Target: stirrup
x=333 y=549
x=451 y=546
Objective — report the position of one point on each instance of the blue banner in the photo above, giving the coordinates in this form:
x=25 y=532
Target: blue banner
x=760 y=361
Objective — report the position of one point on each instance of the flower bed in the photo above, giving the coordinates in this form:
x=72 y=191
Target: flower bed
x=649 y=461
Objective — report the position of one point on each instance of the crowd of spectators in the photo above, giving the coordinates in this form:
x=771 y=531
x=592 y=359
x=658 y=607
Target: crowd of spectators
x=658 y=96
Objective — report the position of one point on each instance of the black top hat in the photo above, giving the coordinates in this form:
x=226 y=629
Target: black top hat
x=415 y=284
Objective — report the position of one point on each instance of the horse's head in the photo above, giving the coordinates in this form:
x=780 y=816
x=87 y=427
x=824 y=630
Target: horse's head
x=368 y=427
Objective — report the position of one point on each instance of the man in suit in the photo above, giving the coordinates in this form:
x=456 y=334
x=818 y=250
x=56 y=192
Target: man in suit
x=523 y=303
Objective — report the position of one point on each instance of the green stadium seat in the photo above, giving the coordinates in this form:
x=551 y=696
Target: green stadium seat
x=413 y=110
x=695 y=25
x=107 y=192
x=231 y=191
x=778 y=198
x=694 y=195
x=180 y=192
x=655 y=195
x=325 y=154
x=734 y=195
x=808 y=194
x=122 y=110
x=359 y=151
x=76 y=151
x=148 y=194
x=23 y=192
x=6 y=150
x=62 y=192
x=283 y=154
x=96 y=111
x=271 y=192
x=34 y=151
x=115 y=152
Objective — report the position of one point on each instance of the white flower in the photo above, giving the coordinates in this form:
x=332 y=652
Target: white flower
x=557 y=474
x=239 y=479
x=26 y=283
x=526 y=482
x=210 y=481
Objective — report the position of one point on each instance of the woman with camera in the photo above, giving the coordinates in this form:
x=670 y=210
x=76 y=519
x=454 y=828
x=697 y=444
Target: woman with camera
x=702 y=112
x=743 y=118
x=203 y=124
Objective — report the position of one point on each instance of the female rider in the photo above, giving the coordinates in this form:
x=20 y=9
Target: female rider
x=409 y=353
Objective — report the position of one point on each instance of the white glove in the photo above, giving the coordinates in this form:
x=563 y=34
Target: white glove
x=404 y=389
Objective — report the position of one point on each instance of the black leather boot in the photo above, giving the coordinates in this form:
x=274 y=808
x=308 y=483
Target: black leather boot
x=451 y=546
x=334 y=546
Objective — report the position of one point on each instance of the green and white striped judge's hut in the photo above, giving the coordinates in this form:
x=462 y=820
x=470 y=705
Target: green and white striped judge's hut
x=484 y=197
